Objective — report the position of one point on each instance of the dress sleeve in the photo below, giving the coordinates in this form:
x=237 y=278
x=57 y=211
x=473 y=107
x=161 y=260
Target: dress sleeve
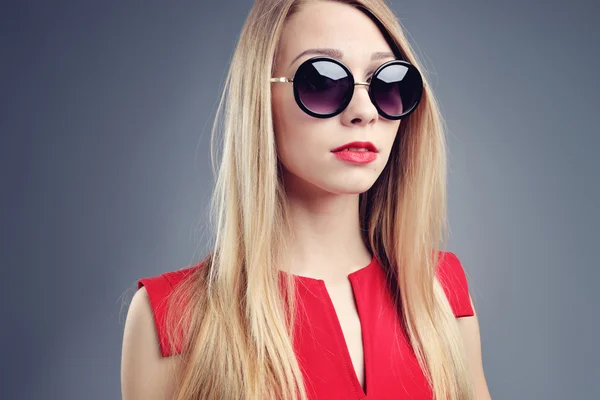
x=158 y=288
x=454 y=281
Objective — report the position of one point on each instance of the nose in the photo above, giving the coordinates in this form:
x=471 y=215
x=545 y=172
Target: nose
x=360 y=110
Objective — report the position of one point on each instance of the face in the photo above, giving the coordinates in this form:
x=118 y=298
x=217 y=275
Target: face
x=305 y=143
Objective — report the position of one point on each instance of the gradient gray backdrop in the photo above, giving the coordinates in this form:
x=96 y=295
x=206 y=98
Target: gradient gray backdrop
x=105 y=123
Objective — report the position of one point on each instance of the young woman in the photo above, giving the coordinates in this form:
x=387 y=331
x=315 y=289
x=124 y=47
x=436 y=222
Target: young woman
x=327 y=279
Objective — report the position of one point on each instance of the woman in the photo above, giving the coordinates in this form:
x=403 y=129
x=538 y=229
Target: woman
x=326 y=280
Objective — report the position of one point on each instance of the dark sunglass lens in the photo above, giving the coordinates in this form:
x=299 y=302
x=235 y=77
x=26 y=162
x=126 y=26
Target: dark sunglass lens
x=397 y=89
x=322 y=86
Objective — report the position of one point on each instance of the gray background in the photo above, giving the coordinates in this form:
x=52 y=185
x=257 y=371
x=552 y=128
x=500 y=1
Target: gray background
x=105 y=123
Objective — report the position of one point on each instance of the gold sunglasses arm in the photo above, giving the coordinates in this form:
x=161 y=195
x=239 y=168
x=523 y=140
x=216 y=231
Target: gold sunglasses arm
x=281 y=80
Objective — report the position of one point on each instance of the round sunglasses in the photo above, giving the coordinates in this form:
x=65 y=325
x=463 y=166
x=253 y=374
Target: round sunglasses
x=323 y=87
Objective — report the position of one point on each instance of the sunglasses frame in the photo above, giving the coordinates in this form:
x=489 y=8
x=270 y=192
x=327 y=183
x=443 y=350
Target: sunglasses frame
x=354 y=83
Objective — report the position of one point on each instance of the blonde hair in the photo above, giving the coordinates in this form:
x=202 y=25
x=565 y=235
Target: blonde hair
x=235 y=315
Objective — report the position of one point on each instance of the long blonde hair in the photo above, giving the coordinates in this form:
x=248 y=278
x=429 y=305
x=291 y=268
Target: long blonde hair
x=234 y=317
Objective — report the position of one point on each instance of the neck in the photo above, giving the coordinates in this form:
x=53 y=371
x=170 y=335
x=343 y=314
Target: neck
x=327 y=242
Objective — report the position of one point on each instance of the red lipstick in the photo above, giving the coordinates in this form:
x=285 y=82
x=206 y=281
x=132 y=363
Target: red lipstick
x=356 y=152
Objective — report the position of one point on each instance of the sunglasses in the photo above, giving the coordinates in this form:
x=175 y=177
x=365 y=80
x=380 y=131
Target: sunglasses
x=323 y=87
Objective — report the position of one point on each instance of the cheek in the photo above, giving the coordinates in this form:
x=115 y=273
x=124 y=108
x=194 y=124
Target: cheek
x=296 y=133
x=299 y=146
x=391 y=135
x=387 y=135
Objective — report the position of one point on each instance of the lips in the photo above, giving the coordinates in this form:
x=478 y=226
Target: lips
x=356 y=146
x=356 y=152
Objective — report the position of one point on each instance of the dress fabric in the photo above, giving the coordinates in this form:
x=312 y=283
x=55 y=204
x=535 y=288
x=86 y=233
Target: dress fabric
x=391 y=367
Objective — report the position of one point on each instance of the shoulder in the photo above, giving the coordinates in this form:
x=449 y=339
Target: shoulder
x=146 y=368
x=144 y=371
x=155 y=291
x=452 y=277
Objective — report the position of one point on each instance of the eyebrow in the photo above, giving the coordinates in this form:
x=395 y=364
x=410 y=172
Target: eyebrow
x=335 y=53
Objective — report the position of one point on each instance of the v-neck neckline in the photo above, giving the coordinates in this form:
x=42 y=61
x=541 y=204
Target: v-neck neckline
x=355 y=278
x=340 y=339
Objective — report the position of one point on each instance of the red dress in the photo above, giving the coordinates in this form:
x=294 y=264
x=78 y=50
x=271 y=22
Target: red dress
x=391 y=368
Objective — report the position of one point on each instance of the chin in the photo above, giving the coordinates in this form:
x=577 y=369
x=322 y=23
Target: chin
x=346 y=188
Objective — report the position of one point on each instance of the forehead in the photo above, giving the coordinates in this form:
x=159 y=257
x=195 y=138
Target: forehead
x=325 y=24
